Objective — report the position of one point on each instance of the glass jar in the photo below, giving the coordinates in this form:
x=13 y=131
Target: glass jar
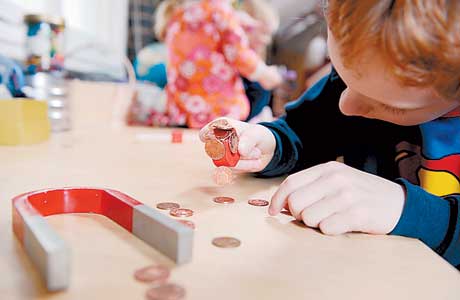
x=38 y=44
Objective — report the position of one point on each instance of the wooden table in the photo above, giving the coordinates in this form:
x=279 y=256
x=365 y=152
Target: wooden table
x=278 y=258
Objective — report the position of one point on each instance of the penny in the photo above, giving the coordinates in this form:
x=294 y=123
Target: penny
x=234 y=140
x=221 y=124
x=181 y=212
x=169 y=291
x=207 y=135
x=223 y=176
x=187 y=223
x=221 y=134
x=223 y=200
x=226 y=242
x=258 y=202
x=167 y=205
x=152 y=274
x=215 y=149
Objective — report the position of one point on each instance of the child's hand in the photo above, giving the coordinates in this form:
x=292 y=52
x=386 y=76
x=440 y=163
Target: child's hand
x=337 y=199
x=271 y=78
x=256 y=146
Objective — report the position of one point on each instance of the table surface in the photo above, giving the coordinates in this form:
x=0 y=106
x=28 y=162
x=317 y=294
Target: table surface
x=277 y=258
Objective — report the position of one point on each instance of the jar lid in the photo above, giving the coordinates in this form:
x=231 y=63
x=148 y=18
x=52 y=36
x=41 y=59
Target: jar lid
x=34 y=18
x=52 y=20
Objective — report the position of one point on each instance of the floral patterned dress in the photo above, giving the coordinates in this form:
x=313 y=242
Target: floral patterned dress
x=208 y=50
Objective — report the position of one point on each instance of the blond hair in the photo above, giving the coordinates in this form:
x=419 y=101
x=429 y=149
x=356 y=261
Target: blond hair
x=163 y=14
x=264 y=12
x=419 y=40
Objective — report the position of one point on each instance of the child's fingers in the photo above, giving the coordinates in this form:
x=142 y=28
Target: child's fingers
x=204 y=133
x=247 y=144
x=338 y=223
x=254 y=154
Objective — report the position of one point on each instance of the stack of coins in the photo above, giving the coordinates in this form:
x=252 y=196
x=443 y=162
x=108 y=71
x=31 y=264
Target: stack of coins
x=221 y=143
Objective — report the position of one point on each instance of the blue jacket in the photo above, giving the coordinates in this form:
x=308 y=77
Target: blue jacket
x=425 y=159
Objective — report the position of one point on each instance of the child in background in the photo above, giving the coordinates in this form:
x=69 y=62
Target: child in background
x=397 y=64
x=260 y=21
x=208 y=50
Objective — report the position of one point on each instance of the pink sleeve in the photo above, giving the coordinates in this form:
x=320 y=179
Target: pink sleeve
x=235 y=43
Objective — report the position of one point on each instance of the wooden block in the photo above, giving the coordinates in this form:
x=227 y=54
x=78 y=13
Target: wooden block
x=23 y=122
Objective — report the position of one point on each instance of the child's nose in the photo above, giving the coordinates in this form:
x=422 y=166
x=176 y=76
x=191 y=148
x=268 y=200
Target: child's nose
x=352 y=104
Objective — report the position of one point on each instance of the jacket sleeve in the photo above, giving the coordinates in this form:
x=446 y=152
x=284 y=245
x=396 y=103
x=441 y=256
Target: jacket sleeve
x=312 y=130
x=433 y=220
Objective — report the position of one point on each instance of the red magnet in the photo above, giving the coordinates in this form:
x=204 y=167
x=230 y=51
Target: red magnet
x=222 y=144
x=50 y=253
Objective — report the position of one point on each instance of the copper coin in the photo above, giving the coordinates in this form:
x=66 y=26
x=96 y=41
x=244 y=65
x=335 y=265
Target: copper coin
x=206 y=135
x=152 y=274
x=221 y=124
x=187 y=223
x=181 y=212
x=221 y=134
x=258 y=202
x=215 y=149
x=234 y=140
x=169 y=291
x=167 y=205
x=226 y=242
x=223 y=200
x=223 y=176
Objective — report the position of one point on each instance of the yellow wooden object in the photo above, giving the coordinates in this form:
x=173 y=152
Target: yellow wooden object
x=23 y=121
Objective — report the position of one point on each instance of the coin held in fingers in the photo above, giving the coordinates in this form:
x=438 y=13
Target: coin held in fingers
x=215 y=149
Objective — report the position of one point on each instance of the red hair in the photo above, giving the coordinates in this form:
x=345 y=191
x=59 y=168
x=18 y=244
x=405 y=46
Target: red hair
x=419 y=40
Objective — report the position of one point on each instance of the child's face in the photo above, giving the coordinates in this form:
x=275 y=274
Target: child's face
x=373 y=92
